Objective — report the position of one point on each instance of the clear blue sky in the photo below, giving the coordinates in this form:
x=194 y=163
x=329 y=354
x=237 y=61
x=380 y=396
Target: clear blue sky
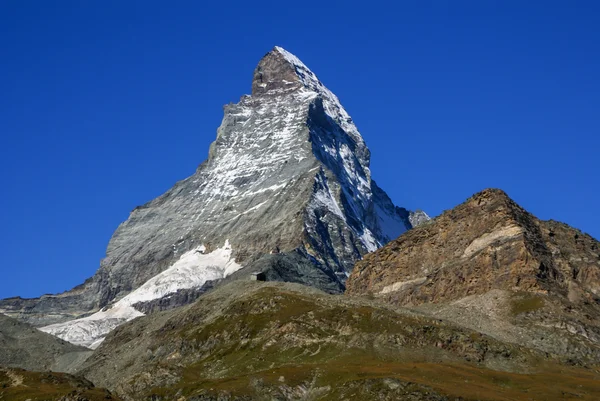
x=104 y=105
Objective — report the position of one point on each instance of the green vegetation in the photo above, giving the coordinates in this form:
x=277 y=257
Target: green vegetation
x=22 y=385
x=524 y=303
x=348 y=377
x=281 y=343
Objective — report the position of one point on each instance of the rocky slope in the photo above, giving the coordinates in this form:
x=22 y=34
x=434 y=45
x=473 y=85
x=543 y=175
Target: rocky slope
x=23 y=346
x=282 y=341
x=23 y=385
x=490 y=265
x=289 y=171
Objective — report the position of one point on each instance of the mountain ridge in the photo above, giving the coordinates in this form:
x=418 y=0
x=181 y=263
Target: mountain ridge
x=490 y=265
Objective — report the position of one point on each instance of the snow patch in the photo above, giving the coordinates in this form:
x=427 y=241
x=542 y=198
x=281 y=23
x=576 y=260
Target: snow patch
x=324 y=198
x=368 y=240
x=193 y=269
x=501 y=234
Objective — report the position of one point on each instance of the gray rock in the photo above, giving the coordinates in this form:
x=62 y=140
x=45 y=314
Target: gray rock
x=174 y=300
x=293 y=267
x=23 y=346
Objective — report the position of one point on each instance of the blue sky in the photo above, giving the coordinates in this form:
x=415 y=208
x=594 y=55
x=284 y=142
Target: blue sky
x=105 y=105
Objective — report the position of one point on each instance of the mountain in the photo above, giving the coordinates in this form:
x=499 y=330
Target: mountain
x=288 y=175
x=491 y=266
x=284 y=341
x=23 y=346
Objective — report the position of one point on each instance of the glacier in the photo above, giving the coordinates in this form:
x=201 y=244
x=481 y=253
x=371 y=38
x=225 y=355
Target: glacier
x=193 y=269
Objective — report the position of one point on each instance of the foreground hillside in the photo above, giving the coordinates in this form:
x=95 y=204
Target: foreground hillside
x=22 y=385
x=284 y=341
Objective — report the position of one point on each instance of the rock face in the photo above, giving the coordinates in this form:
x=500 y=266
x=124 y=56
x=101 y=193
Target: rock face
x=487 y=242
x=544 y=275
x=288 y=171
x=23 y=346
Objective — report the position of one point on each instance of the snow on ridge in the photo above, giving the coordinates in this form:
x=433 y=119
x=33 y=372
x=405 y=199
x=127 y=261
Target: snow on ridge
x=192 y=269
x=291 y=58
x=331 y=103
x=369 y=240
x=335 y=149
x=391 y=226
x=324 y=198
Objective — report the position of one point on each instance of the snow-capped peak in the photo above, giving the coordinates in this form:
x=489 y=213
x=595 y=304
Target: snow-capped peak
x=339 y=146
x=292 y=58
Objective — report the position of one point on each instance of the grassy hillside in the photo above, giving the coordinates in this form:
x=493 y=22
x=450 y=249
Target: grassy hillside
x=23 y=385
x=283 y=341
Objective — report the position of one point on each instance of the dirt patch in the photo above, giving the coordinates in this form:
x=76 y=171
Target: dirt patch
x=16 y=379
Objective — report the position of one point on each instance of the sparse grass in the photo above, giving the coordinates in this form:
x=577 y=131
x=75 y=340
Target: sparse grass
x=48 y=386
x=454 y=380
x=319 y=354
x=525 y=303
x=268 y=342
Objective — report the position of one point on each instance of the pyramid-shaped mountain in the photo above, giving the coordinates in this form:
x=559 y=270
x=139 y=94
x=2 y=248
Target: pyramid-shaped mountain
x=286 y=190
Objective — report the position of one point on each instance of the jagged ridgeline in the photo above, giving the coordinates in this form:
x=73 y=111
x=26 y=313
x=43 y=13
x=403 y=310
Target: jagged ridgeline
x=286 y=190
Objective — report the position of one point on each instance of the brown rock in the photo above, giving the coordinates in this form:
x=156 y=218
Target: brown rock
x=488 y=242
x=491 y=266
x=274 y=72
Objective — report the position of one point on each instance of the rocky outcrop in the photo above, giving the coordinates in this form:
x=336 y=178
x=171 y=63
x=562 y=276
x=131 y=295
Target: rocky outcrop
x=544 y=275
x=488 y=242
x=174 y=300
x=288 y=171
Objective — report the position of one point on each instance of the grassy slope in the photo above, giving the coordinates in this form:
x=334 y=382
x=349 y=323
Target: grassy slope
x=276 y=342
x=22 y=385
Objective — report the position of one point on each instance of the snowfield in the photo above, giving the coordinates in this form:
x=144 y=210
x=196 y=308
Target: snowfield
x=193 y=269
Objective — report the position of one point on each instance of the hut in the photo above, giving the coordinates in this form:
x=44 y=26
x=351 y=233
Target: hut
x=258 y=276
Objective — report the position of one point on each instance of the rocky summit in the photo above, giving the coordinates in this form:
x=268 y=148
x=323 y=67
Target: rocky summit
x=490 y=265
x=288 y=175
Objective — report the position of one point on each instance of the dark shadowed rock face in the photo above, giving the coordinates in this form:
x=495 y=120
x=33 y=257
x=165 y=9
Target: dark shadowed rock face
x=489 y=263
x=288 y=171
